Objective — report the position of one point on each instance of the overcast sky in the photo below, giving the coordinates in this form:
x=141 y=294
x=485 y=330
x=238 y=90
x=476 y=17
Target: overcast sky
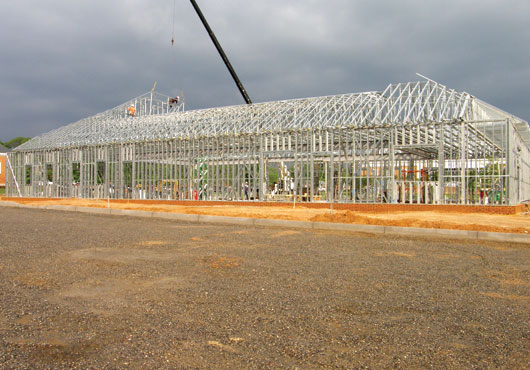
x=63 y=60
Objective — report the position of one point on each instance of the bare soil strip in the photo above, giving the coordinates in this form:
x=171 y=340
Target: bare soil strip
x=443 y=217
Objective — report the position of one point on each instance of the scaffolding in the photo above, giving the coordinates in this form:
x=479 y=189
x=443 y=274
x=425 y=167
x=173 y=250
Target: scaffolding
x=416 y=142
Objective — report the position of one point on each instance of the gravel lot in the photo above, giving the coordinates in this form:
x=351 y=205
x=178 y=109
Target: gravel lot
x=92 y=291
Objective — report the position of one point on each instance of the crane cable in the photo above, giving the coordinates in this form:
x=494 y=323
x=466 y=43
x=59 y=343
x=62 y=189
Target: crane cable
x=175 y=56
x=173 y=25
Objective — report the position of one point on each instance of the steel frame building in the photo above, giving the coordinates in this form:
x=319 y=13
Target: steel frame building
x=416 y=142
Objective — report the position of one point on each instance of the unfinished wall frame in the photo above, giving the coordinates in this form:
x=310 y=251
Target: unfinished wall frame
x=417 y=142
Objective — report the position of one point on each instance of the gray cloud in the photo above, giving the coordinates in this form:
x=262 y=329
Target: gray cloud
x=63 y=60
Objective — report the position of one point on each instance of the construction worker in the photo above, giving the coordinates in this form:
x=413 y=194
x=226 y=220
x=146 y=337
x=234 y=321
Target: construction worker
x=173 y=101
x=131 y=110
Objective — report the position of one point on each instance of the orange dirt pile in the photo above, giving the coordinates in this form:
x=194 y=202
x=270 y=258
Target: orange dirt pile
x=428 y=218
x=216 y=262
x=435 y=220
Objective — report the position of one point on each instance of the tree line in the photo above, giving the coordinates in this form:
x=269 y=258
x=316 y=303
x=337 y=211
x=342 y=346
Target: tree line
x=13 y=143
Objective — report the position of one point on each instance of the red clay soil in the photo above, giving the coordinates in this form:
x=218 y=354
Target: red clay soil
x=376 y=208
x=507 y=219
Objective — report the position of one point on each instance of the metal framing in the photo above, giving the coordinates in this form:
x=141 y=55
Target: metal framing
x=416 y=142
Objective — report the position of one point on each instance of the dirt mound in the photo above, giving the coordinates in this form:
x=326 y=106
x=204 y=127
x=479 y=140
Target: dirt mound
x=443 y=222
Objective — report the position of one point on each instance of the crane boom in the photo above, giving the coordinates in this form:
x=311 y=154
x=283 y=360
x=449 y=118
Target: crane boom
x=222 y=53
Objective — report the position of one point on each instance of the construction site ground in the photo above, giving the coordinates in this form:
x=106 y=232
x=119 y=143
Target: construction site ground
x=485 y=218
x=95 y=291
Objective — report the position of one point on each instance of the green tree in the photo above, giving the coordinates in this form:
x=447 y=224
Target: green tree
x=13 y=143
x=274 y=174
